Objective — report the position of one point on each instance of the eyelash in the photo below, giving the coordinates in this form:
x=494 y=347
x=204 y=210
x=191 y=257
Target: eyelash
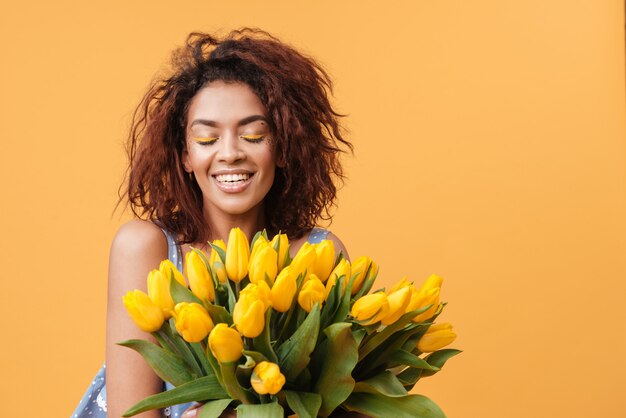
x=254 y=139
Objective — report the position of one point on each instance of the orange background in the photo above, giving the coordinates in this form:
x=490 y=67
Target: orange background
x=490 y=149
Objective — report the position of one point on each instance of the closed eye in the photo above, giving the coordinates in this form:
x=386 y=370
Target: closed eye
x=253 y=138
x=205 y=140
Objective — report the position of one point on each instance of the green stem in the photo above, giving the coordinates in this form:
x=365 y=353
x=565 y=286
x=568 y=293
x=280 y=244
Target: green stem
x=184 y=350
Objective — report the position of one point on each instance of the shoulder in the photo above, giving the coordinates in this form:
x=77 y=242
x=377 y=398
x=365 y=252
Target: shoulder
x=138 y=247
x=138 y=235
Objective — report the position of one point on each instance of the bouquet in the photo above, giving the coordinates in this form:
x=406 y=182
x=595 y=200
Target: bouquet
x=250 y=328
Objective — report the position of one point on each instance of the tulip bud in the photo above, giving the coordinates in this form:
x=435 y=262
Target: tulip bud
x=225 y=343
x=284 y=290
x=398 y=301
x=216 y=262
x=267 y=378
x=399 y=285
x=263 y=263
x=304 y=260
x=359 y=269
x=249 y=314
x=193 y=322
x=237 y=255
x=144 y=313
x=168 y=268
x=261 y=242
x=199 y=277
x=341 y=269
x=325 y=259
x=371 y=308
x=280 y=243
x=312 y=292
x=437 y=337
x=159 y=292
x=428 y=294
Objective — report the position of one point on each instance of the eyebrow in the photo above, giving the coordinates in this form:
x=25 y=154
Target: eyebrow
x=242 y=122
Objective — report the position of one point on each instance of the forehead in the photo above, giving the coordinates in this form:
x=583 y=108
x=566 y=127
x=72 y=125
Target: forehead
x=225 y=103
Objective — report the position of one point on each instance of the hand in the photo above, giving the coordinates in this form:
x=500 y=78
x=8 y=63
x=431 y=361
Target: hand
x=194 y=411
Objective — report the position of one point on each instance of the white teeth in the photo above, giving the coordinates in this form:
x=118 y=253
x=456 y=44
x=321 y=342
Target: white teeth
x=232 y=178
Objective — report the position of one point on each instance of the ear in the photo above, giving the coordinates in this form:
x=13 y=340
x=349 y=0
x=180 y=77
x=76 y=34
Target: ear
x=185 y=160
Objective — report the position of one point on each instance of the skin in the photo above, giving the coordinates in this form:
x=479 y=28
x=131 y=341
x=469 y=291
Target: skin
x=139 y=246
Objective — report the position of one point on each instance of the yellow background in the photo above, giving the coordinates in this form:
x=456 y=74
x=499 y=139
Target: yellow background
x=490 y=149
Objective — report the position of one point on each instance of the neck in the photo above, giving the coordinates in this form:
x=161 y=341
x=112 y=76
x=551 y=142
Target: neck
x=250 y=223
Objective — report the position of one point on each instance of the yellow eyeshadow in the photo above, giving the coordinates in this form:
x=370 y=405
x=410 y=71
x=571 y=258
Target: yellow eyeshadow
x=205 y=140
x=252 y=136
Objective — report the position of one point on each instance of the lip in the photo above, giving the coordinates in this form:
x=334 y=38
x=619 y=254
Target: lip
x=234 y=188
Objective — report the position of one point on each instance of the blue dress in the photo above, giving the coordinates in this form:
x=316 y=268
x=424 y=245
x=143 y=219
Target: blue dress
x=93 y=403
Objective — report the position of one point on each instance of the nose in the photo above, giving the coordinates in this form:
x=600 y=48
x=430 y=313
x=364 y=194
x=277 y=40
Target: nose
x=230 y=150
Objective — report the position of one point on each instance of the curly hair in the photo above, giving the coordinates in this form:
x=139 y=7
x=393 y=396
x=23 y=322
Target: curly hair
x=294 y=89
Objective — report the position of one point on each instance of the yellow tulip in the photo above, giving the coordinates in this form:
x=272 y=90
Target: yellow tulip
x=359 y=269
x=237 y=255
x=216 y=263
x=159 y=292
x=144 y=313
x=192 y=321
x=199 y=277
x=312 y=292
x=167 y=268
x=267 y=378
x=371 y=308
x=284 y=290
x=341 y=269
x=282 y=242
x=398 y=301
x=304 y=260
x=437 y=337
x=261 y=242
x=249 y=314
x=324 y=260
x=428 y=294
x=264 y=262
x=225 y=343
x=399 y=285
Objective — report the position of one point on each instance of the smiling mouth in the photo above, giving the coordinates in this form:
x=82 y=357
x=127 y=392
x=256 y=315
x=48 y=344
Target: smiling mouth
x=233 y=179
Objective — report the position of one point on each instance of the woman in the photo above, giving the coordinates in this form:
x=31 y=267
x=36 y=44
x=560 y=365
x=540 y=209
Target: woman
x=240 y=134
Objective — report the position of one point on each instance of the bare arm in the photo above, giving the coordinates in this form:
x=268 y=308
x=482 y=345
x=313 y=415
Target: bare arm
x=138 y=247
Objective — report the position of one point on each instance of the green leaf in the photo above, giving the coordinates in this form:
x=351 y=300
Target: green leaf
x=410 y=406
x=244 y=371
x=182 y=348
x=295 y=353
x=202 y=389
x=220 y=252
x=359 y=334
x=169 y=367
x=200 y=356
x=219 y=314
x=214 y=409
x=340 y=355
x=304 y=404
x=255 y=355
x=377 y=339
x=232 y=386
x=181 y=294
x=344 y=305
x=409 y=359
x=438 y=359
x=268 y=410
x=384 y=383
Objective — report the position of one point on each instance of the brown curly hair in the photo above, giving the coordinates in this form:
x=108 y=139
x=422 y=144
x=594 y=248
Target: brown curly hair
x=295 y=91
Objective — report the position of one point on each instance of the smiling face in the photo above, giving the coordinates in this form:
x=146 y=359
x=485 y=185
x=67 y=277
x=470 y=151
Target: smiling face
x=229 y=148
